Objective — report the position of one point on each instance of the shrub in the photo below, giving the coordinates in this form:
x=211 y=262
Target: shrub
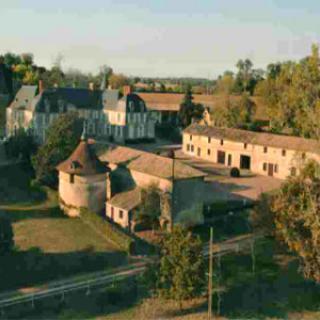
x=235 y=172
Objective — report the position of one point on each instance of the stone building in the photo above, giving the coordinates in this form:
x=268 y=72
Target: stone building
x=85 y=181
x=134 y=170
x=82 y=181
x=107 y=115
x=262 y=153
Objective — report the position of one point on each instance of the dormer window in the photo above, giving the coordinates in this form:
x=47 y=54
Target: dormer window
x=74 y=165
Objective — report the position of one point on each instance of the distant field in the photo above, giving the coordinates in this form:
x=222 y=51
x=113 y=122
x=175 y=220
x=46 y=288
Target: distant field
x=49 y=244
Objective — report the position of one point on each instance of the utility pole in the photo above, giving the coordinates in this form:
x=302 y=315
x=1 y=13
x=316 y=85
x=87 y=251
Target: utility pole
x=210 y=276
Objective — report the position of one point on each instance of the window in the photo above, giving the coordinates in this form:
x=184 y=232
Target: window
x=283 y=152
x=209 y=139
x=264 y=167
x=188 y=147
x=71 y=178
x=303 y=156
x=192 y=148
x=199 y=152
x=190 y=137
x=112 y=213
x=221 y=142
x=276 y=168
x=245 y=145
x=229 y=159
x=209 y=152
x=120 y=214
x=293 y=171
x=265 y=149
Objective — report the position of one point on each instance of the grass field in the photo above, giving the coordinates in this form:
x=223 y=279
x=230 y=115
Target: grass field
x=49 y=245
x=276 y=290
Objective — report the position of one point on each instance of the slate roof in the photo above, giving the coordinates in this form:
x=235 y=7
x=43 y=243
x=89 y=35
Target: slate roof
x=257 y=138
x=80 y=98
x=83 y=161
x=146 y=162
x=127 y=200
x=24 y=98
x=124 y=104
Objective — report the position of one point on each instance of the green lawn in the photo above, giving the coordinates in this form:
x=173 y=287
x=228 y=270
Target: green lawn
x=49 y=245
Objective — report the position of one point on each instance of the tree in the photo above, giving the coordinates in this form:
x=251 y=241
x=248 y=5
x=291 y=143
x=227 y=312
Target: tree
x=225 y=84
x=21 y=145
x=62 y=138
x=227 y=114
x=149 y=210
x=188 y=109
x=180 y=272
x=292 y=95
x=117 y=81
x=12 y=59
x=295 y=214
x=6 y=235
x=27 y=59
x=247 y=108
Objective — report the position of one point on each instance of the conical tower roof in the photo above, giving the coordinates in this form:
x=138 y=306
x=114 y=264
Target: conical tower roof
x=83 y=161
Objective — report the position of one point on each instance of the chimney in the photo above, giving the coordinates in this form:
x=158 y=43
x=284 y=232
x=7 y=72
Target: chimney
x=41 y=86
x=108 y=187
x=126 y=90
x=91 y=86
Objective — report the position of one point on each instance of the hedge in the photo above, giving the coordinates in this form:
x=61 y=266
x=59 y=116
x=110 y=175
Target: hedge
x=108 y=230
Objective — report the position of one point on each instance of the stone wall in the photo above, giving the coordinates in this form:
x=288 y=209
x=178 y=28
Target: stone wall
x=88 y=192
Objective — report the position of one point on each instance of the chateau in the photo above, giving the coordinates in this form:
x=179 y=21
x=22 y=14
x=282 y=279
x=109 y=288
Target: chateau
x=107 y=115
x=263 y=153
x=109 y=178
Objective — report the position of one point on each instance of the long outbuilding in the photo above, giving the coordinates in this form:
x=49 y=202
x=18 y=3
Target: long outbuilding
x=263 y=153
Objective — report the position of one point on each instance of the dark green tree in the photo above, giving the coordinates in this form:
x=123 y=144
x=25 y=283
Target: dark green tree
x=62 y=138
x=21 y=145
x=188 y=109
x=180 y=272
x=149 y=211
x=6 y=235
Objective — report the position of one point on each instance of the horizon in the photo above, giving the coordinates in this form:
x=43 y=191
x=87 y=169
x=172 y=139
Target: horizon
x=160 y=39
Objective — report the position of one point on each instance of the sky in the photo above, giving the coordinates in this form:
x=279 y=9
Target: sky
x=160 y=38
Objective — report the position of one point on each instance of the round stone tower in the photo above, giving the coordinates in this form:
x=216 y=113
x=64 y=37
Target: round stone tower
x=82 y=181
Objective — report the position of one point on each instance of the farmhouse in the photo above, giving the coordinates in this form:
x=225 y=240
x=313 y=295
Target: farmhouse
x=110 y=178
x=263 y=153
x=107 y=115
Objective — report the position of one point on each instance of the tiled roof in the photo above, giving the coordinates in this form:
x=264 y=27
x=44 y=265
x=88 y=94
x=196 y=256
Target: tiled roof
x=258 y=138
x=83 y=161
x=172 y=101
x=146 y=162
x=127 y=200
